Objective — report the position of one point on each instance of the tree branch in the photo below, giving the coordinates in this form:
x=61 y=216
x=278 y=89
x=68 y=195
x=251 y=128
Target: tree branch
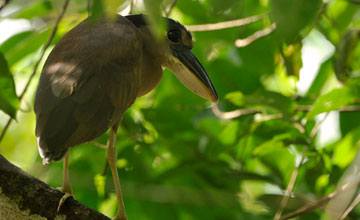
x=24 y=197
x=232 y=114
x=226 y=24
x=258 y=34
x=321 y=202
x=168 y=10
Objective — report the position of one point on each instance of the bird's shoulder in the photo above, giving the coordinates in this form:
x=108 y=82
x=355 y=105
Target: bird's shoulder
x=87 y=49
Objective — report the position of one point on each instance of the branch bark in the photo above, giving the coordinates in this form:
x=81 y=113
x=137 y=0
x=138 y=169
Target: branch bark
x=23 y=197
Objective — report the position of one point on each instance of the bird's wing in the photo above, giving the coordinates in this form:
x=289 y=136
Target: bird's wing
x=90 y=78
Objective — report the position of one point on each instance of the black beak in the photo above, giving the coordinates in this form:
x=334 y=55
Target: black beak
x=192 y=74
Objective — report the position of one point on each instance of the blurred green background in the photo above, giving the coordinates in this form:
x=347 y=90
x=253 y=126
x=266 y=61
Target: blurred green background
x=176 y=159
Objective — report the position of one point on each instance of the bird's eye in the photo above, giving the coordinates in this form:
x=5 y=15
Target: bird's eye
x=174 y=36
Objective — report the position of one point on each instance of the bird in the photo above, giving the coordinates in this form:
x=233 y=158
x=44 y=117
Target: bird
x=95 y=73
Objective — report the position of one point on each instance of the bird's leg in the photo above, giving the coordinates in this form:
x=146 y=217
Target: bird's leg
x=111 y=156
x=66 y=187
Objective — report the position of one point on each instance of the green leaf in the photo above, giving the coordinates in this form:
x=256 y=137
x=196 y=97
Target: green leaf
x=292 y=58
x=37 y=9
x=292 y=17
x=99 y=8
x=21 y=45
x=343 y=56
x=9 y=101
x=11 y=43
x=321 y=78
x=155 y=18
x=111 y=6
x=345 y=151
x=99 y=182
x=271 y=101
x=331 y=101
x=237 y=98
x=230 y=133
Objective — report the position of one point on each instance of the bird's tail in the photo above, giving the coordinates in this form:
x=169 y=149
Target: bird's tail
x=49 y=156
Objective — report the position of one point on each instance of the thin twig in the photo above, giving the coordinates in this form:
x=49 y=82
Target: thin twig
x=258 y=34
x=262 y=118
x=309 y=208
x=232 y=114
x=5 y=129
x=27 y=108
x=168 y=10
x=226 y=24
x=291 y=185
x=317 y=126
x=105 y=169
x=351 y=207
x=97 y=144
x=295 y=173
x=319 y=203
x=66 y=3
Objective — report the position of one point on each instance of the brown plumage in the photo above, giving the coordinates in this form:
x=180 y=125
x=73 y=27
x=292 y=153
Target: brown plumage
x=95 y=72
x=87 y=83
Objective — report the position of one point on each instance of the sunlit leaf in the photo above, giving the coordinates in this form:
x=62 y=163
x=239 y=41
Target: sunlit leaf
x=321 y=78
x=230 y=133
x=237 y=98
x=24 y=44
x=331 y=101
x=99 y=181
x=36 y=9
x=346 y=149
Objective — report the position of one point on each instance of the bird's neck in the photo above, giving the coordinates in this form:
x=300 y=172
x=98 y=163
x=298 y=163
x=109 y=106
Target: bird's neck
x=151 y=74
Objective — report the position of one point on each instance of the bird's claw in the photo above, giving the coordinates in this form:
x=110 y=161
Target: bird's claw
x=64 y=198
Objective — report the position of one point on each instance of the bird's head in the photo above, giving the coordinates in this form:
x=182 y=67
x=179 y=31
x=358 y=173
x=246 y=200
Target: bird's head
x=174 y=52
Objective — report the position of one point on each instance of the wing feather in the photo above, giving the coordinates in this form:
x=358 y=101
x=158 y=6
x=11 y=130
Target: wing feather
x=90 y=78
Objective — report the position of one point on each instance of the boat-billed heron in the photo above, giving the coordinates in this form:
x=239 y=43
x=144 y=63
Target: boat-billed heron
x=95 y=72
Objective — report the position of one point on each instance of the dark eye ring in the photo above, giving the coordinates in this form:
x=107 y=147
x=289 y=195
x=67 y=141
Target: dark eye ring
x=174 y=36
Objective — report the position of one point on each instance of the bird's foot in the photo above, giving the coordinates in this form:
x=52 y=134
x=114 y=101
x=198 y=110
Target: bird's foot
x=117 y=217
x=120 y=215
x=64 y=198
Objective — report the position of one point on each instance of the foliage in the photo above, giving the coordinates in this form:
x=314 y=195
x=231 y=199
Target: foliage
x=176 y=159
x=8 y=100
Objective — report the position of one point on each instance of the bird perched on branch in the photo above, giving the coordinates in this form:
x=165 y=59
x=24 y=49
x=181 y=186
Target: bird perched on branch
x=95 y=72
